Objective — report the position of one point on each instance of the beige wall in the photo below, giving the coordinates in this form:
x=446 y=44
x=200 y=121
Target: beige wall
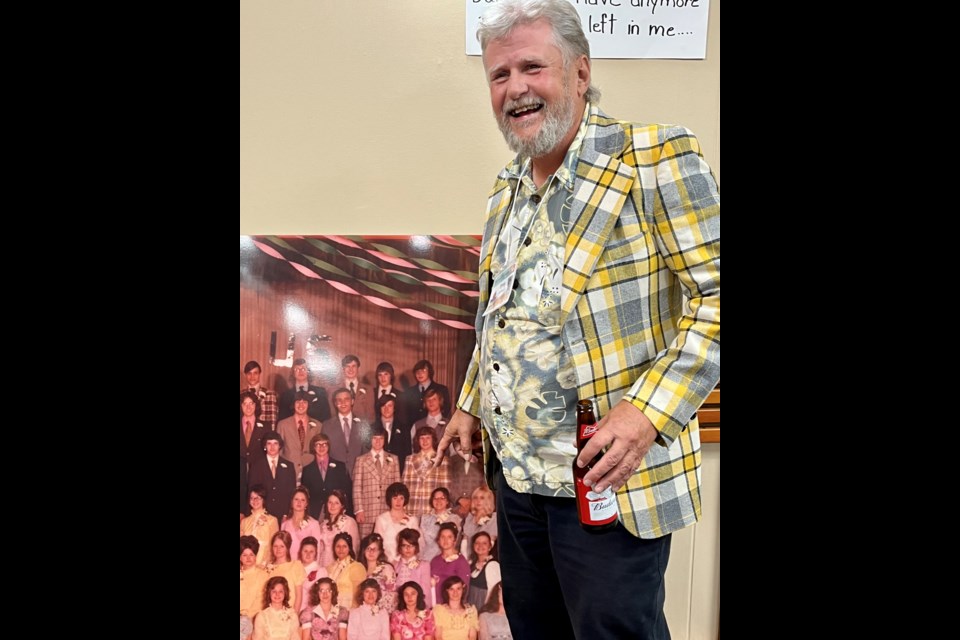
x=366 y=117
x=693 y=575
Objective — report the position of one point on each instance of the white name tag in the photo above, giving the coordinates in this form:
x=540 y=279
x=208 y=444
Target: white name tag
x=502 y=287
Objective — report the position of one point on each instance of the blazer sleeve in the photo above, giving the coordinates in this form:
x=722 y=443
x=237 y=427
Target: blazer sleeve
x=686 y=221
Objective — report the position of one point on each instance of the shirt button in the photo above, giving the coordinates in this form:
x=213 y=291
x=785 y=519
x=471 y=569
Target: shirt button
x=527 y=242
x=496 y=367
x=535 y=198
x=497 y=411
x=502 y=323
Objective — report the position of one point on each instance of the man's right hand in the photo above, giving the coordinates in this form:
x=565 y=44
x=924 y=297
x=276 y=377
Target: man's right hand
x=461 y=424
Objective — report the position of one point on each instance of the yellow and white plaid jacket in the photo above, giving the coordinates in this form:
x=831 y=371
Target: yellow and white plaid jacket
x=640 y=305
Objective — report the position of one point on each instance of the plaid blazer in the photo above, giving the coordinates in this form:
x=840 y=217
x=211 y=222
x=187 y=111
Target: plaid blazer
x=370 y=485
x=640 y=305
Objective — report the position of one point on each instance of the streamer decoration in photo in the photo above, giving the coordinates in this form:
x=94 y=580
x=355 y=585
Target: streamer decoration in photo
x=379 y=258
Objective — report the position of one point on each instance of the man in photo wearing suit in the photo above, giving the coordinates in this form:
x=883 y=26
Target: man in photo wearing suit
x=349 y=435
x=436 y=417
x=374 y=472
x=397 y=430
x=276 y=474
x=362 y=394
x=323 y=475
x=413 y=397
x=319 y=407
x=252 y=429
x=386 y=386
x=266 y=397
x=296 y=431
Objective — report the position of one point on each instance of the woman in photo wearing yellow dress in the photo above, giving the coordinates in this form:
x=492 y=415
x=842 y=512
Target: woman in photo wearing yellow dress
x=281 y=564
x=252 y=577
x=453 y=619
x=277 y=620
x=259 y=524
x=346 y=571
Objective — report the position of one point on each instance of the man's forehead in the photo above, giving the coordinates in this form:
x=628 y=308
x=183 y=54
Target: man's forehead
x=533 y=38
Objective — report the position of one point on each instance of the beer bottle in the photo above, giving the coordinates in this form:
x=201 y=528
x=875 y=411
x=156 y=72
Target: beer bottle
x=598 y=511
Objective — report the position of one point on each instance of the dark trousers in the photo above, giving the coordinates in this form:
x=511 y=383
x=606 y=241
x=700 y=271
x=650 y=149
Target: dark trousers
x=561 y=582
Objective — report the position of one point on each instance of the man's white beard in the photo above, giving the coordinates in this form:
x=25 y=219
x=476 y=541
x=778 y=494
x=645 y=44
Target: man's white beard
x=557 y=120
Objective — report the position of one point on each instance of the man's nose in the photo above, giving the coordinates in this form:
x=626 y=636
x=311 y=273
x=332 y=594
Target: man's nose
x=517 y=86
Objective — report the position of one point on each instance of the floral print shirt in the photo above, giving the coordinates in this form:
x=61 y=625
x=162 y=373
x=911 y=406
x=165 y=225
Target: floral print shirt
x=527 y=380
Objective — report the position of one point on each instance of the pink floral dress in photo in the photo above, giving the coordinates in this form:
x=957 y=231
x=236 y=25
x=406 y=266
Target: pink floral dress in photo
x=324 y=627
x=412 y=630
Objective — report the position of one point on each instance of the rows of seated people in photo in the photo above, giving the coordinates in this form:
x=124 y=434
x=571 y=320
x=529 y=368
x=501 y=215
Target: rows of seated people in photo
x=328 y=572
x=370 y=598
x=347 y=530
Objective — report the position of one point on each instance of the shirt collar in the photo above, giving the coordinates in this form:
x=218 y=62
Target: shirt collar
x=319 y=611
x=568 y=169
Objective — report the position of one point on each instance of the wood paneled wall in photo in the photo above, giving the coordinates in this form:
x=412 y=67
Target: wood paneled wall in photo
x=302 y=286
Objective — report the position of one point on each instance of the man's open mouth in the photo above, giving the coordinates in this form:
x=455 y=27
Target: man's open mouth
x=527 y=109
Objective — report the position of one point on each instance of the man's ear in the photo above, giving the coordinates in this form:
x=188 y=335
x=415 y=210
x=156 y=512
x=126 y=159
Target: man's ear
x=583 y=75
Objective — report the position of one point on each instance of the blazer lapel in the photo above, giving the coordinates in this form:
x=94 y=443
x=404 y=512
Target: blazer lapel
x=601 y=186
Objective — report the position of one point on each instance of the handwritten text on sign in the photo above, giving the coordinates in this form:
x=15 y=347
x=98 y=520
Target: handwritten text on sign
x=627 y=28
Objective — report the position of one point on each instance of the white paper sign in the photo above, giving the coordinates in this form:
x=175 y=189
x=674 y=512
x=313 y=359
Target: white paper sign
x=627 y=28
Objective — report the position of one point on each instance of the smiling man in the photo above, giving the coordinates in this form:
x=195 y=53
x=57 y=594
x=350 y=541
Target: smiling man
x=267 y=397
x=599 y=278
